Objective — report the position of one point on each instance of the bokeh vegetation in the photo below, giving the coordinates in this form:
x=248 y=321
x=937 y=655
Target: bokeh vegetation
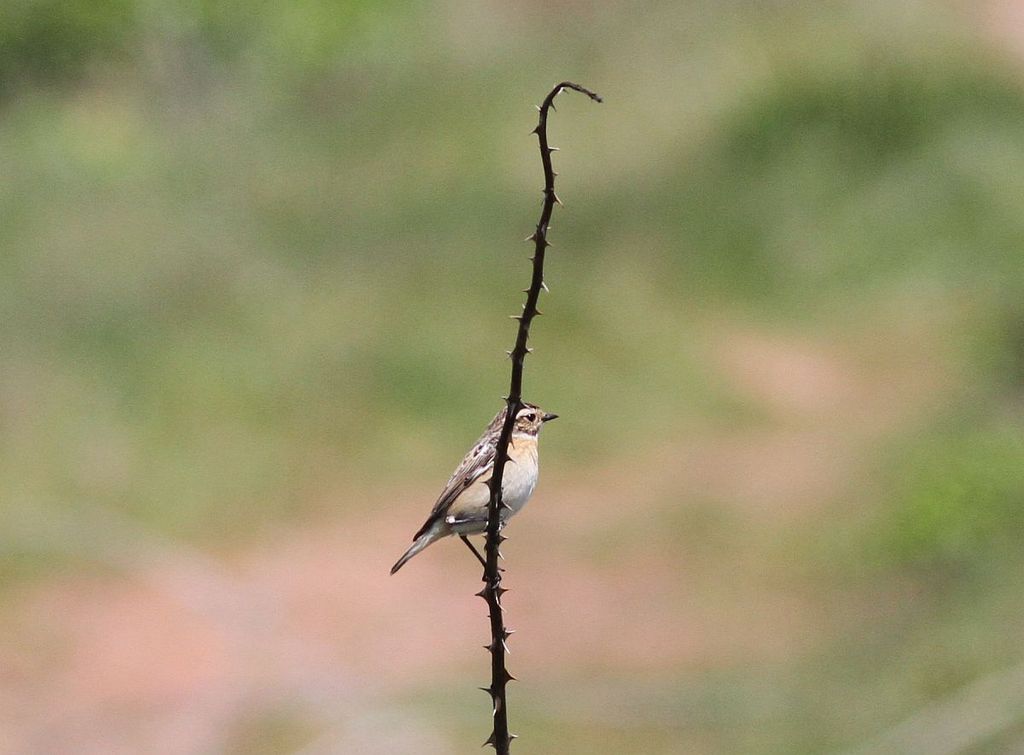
x=258 y=252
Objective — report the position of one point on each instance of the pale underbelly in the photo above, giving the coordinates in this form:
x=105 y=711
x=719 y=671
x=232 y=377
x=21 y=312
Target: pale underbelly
x=517 y=487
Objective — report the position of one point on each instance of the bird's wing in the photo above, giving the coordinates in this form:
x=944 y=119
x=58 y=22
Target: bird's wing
x=477 y=463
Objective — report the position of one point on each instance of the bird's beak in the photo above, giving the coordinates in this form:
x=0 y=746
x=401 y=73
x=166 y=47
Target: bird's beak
x=548 y=417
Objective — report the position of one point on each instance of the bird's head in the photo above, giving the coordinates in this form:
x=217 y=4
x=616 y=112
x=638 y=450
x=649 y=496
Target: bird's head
x=530 y=418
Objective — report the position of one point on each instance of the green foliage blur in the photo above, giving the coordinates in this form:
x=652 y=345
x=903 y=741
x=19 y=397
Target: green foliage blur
x=59 y=43
x=253 y=252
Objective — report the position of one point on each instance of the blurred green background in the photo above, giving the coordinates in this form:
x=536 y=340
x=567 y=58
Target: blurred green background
x=257 y=265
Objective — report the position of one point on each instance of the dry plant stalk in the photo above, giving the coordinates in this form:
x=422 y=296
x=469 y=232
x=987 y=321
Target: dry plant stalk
x=500 y=738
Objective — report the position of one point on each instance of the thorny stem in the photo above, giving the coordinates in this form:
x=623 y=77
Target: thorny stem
x=500 y=738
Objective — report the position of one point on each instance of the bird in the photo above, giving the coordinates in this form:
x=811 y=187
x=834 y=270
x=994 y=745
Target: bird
x=461 y=509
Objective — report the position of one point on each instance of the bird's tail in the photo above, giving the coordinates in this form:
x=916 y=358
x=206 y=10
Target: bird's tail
x=418 y=544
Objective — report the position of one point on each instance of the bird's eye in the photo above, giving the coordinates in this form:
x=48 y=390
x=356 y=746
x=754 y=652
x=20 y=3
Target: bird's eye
x=531 y=417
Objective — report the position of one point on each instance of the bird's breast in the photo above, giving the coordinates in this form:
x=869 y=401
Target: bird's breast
x=520 y=477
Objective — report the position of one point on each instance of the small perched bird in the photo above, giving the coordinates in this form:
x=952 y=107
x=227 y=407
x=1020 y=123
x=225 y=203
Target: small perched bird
x=461 y=508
